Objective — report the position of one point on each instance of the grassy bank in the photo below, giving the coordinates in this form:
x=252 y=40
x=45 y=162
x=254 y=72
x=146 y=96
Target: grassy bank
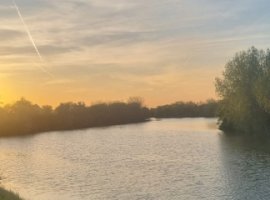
x=8 y=195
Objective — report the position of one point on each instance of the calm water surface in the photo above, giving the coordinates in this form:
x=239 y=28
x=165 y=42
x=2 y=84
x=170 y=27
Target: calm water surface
x=168 y=159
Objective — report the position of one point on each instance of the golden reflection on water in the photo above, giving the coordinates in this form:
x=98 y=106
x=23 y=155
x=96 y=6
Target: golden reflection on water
x=166 y=159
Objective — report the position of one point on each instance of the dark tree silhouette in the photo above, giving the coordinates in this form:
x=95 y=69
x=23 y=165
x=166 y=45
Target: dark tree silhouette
x=24 y=117
x=188 y=109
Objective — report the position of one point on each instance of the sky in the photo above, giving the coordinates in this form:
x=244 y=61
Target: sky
x=107 y=50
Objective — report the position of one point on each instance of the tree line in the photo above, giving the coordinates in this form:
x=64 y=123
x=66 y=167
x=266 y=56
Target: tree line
x=24 y=117
x=186 y=109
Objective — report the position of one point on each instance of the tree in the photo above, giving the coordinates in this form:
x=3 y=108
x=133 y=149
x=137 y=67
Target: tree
x=24 y=117
x=244 y=92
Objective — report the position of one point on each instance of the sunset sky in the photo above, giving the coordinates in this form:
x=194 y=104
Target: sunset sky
x=106 y=50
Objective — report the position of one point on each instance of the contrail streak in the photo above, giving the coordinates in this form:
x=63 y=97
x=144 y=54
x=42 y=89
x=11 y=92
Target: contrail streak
x=30 y=38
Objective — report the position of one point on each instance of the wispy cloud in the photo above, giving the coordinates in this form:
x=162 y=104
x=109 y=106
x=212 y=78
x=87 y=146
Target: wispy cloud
x=31 y=40
x=143 y=45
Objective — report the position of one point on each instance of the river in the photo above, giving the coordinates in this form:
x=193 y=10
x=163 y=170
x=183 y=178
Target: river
x=169 y=159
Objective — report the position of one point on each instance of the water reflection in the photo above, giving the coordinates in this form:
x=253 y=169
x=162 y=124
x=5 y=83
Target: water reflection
x=246 y=167
x=177 y=159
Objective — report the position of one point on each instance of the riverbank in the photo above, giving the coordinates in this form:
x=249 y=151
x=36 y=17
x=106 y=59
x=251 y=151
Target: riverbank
x=24 y=118
x=8 y=195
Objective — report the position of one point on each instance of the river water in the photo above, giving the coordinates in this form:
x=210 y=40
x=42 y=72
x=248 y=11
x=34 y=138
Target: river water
x=167 y=159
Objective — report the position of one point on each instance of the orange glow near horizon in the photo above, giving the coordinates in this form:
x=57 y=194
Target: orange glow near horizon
x=159 y=90
x=121 y=48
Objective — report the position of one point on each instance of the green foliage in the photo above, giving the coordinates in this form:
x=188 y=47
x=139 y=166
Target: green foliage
x=7 y=195
x=245 y=93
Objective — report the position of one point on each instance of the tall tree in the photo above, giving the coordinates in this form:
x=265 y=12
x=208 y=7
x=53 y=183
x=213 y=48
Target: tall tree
x=244 y=92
